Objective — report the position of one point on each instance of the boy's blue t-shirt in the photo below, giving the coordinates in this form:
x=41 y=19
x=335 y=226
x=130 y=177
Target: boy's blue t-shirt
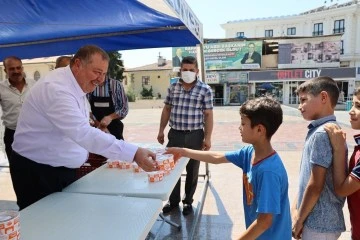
x=265 y=190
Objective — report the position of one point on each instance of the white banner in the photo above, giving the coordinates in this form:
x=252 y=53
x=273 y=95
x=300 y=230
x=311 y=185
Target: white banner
x=187 y=16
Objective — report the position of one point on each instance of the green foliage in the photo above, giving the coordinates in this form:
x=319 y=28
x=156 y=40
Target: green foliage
x=116 y=67
x=147 y=92
x=131 y=96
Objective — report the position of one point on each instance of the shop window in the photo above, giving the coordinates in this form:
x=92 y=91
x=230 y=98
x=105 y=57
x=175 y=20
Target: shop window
x=272 y=89
x=36 y=75
x=342 y=47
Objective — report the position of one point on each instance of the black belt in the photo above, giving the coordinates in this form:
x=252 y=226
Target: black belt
x=186 y=131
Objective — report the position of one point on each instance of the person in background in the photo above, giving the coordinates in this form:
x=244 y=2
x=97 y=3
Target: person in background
x=317 y=210
x=265 y=182
x=12 y=94
x=342 y=96
x=53 y=136
x=348 y=185
x=189 y=111
x=109 y=105
x=62 y=61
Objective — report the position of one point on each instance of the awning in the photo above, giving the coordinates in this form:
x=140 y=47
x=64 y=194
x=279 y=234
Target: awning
x=41 y=28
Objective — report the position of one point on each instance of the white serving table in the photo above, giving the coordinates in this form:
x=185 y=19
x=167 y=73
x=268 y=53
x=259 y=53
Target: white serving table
x=115 y=181
x=70 y=216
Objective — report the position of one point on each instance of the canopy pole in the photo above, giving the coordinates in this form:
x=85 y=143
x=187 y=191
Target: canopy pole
x=202 y=62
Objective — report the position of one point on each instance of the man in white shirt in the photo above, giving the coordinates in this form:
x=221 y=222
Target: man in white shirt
x=12 y=94
x=54 y=136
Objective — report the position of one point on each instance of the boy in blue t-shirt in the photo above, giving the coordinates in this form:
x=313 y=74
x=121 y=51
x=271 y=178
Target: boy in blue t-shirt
x=265 y=182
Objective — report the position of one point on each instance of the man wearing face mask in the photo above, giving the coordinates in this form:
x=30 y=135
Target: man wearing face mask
x=188 y=109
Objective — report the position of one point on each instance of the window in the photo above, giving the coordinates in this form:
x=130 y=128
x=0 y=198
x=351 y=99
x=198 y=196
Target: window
x=342 y=47
x=145 y=80
x=318 y=29
x=240 y=34
x=269 y=33
x=339 y=26
x=36 y=75
x=291 y=31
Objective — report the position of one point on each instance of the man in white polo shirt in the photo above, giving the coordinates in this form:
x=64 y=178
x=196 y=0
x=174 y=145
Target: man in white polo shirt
x=12 y=93
x=54 y=137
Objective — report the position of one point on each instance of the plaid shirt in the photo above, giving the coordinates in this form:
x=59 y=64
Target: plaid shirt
x=119 y=97
x=187 y=107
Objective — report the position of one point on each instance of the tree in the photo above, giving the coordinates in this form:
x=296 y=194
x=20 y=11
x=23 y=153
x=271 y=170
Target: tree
x=147 y=92
x=116 y=67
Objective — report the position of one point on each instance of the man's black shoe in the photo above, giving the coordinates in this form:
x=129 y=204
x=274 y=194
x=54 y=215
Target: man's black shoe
x=187 y=209
x=169 y=207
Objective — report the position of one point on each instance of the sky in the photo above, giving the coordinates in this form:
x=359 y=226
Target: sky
x=212 y=13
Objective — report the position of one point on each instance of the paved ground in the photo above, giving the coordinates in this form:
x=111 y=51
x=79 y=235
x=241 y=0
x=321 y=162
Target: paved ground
x=222 y=216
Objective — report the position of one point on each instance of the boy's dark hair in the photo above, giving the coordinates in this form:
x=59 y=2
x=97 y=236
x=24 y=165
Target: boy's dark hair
x=189 y=60
x=316 y=85
x=265 y=111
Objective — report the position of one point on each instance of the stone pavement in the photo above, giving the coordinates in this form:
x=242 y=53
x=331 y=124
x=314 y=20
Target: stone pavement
x=222 y=215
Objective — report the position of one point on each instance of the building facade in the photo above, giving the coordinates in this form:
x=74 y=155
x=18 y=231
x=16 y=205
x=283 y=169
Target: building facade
x=156 y=76
x=308 y=37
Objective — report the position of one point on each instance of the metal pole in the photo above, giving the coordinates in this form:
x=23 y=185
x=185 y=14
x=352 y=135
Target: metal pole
x=199 y=208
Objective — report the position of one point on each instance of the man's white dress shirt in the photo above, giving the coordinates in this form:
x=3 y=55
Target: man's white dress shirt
x=53 y=126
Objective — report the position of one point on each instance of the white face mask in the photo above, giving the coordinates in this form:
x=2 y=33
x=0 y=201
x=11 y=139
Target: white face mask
x=188 y=77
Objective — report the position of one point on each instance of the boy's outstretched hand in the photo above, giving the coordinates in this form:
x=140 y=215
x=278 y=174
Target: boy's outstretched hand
x=177 y=152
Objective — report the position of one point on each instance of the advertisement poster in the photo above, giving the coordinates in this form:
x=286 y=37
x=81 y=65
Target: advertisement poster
x=233 y=55
x=309 y=53
x=180 y=52
x=225 y=55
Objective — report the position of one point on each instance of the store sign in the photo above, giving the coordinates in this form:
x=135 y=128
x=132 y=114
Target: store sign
x=233 y=77
x=212 y=78
x=302 y=74
x=299 y=73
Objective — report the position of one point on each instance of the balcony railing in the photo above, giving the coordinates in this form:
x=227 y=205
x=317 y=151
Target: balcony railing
x=338 y=30
x=318 y=33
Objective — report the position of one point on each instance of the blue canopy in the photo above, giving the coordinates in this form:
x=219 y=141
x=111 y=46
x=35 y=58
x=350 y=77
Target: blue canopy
x=41 y=28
